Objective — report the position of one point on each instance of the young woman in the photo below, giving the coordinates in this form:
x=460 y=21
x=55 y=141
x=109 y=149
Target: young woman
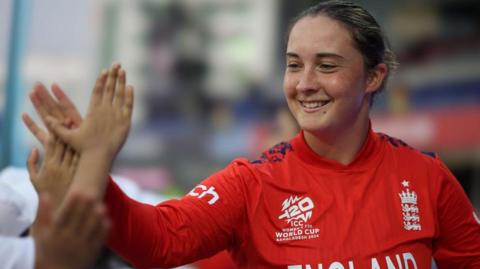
x=338 y=195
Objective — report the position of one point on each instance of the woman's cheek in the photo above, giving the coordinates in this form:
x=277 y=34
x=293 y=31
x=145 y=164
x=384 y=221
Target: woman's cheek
x=289 y=86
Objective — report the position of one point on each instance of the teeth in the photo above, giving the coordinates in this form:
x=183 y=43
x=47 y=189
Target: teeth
x=313 y=104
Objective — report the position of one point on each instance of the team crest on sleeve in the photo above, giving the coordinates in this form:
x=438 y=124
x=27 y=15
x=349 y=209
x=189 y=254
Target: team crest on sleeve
x=297 y=211
x=410 y=211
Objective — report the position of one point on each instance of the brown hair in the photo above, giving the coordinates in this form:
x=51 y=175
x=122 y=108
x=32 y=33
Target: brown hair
x=367 y=35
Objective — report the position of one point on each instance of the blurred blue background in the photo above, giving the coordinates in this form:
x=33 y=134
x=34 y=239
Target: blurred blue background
x=208 y=78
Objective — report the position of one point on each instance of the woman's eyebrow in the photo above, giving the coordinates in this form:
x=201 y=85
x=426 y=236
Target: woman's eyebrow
x=292 y=55
x=317 y=55
x=328 y=55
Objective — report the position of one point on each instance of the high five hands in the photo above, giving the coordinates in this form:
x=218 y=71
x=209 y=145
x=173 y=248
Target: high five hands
x=85 y=150
x=108 y=119
x=99 y=137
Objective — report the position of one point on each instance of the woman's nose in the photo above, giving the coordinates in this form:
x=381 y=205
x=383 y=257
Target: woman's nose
x=308 y=81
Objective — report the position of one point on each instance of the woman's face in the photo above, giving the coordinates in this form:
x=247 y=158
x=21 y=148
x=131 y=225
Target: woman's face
x=325 y=81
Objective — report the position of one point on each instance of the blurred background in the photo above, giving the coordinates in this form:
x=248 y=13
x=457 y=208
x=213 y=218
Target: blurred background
x=208 y=78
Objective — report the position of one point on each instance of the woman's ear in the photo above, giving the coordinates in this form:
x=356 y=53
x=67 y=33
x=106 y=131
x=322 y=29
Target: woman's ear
x=375 y=78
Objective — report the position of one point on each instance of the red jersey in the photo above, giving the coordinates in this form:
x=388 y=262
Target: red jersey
x=392 y=207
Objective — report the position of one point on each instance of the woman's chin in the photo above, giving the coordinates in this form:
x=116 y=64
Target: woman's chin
x=313 y=127
x=319 y=126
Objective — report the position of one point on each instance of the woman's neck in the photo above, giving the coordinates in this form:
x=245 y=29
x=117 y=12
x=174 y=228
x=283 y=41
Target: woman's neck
x=343 y=145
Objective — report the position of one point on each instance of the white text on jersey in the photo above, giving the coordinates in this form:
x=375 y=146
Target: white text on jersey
x=203 y=192
x=402 y=261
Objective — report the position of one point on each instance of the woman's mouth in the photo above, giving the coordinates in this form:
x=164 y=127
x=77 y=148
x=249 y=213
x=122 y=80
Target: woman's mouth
x=312 y=106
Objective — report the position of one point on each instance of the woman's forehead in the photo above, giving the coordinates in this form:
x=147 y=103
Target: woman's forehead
x=321 y=34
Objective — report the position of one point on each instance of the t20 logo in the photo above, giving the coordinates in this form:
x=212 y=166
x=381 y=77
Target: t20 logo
x=297 y=210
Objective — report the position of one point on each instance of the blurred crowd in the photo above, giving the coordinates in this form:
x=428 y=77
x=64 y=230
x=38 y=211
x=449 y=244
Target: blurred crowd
x=208 y=78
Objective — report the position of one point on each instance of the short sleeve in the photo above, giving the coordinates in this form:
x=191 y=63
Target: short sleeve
x=458 y=241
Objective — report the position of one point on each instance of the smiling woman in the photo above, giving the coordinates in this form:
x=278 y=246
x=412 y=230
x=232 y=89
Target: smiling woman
x=329 y=83
x=338 y=194
x=325 y=83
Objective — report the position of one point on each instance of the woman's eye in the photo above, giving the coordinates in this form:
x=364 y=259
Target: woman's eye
x=327 y=66
x=293 y=65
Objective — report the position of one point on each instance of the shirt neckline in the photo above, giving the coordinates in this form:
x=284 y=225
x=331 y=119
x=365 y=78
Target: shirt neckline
x=368 y=154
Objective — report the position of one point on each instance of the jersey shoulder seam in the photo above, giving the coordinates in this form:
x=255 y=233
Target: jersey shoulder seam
x=275 y=154
x=398 y=144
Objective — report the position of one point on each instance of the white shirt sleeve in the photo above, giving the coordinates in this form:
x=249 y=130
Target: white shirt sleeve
x=18 y=201
x=17 y=253
x=12 y=218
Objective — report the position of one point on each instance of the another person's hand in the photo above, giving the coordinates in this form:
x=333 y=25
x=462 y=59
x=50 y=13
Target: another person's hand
x=57 y=170
x=108 y=119
x=72 y=236
x=59 y=107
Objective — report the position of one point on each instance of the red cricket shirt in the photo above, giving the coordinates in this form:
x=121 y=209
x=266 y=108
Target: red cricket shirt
x=393 y=207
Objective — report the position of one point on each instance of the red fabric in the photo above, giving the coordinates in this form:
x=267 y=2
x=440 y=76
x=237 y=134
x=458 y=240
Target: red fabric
x=221 y=260
x=392 y=207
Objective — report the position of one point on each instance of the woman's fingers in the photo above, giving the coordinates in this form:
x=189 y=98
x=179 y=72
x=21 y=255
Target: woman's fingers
x=32 y=164
x=44 y=103
x=110 y=85
x=34 y=129
x=120 y=89
x=66 y=105
x=68 y=156
x=128 y=104
x=97 y=93
x=60 y=130
x=58 y=150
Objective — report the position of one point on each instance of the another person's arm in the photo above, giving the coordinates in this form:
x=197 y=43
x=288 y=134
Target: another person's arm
x=70 y=238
